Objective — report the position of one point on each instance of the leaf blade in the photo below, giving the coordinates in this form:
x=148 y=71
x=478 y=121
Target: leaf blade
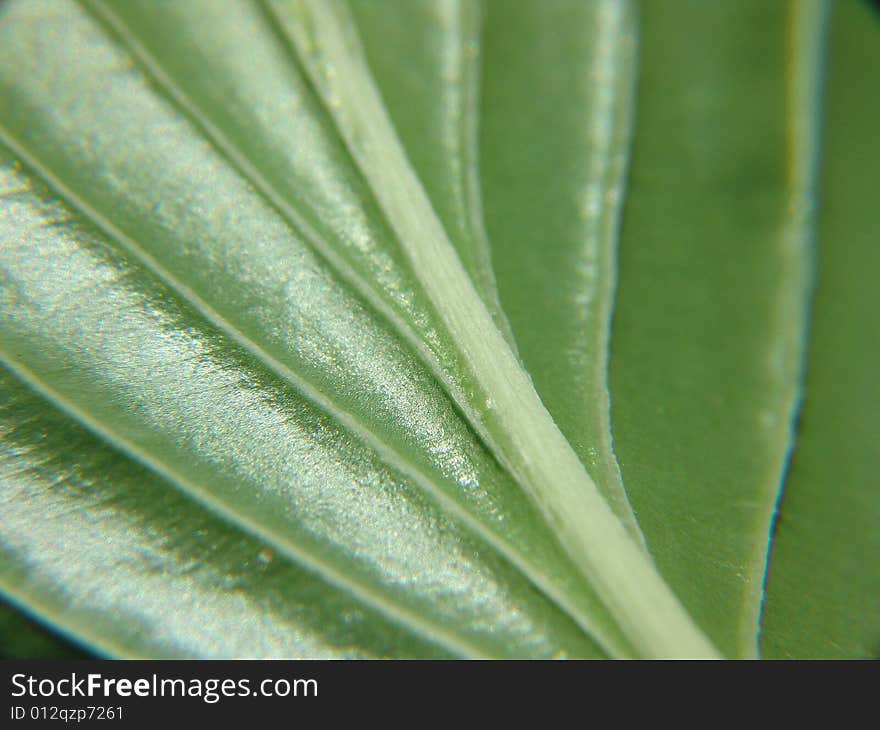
x=131 y=168
x=712 y=299
x=500 y=402
x=113 y=570
x=155 y=381
x=554 y=144
x=823 y=595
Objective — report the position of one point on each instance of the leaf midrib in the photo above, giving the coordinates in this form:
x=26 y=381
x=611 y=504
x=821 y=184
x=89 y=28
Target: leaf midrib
x=528 y=442
x=351 y=422
x=621 y=590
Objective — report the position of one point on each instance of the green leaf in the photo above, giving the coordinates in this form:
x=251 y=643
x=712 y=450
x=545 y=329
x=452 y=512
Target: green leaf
x=499 y=397
x=125 y=563
x=178 y=32
x=711 y=310
x=263 y=366
x=823 y=598
x=125 y=158
x=552 y=201
x=102 y=339
x=318 y=318
x=433 y=100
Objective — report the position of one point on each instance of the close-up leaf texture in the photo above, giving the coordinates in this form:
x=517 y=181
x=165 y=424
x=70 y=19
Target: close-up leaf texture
x=421 y=329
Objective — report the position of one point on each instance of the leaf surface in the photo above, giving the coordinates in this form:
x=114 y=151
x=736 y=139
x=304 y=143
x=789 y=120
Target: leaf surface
x=712 y=302
x=499 y=399
x=101 y=338
x=109 y=567
x=135 y=146
x=558 y=85
x=433 y=100
x=823 y=596
x=188 y=232
x=184 y=33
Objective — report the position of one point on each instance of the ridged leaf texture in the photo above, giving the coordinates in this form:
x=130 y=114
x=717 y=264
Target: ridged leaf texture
x=438 y=329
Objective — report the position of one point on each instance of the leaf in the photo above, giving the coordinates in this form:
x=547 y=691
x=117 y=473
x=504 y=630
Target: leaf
x=499 y=399
x=177 y=31
x=823 y=598
x=433 y=101
x=218 y=241
x=182 y=307
x=149 y=376
x=109 y=566
x=552 y=201
x=711 y=310
x=255 y=366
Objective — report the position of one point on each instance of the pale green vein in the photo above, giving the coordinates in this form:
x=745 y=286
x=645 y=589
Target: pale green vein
x=574 y=604
x=434 y=101
x=805 y=75
x=559 y=84
x=503 y=402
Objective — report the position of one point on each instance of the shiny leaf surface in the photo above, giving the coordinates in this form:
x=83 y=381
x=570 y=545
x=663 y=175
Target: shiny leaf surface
x=187 y=230
x=433 y=100
x=109 y=566
x=711 y=312
x=439 y=328
x=153 y=379
x=219 y=245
